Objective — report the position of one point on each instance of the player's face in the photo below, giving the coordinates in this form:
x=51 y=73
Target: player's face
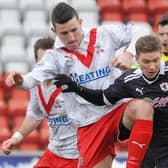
x=163 y=36
x=70 y=33
x=149 y=63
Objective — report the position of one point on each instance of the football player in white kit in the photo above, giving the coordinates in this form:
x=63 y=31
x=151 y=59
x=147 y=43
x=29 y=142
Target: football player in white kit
x=46 y=101
x=86 y=56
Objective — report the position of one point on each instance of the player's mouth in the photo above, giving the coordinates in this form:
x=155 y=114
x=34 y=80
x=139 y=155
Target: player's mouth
x=151 y=74
x=73 y=44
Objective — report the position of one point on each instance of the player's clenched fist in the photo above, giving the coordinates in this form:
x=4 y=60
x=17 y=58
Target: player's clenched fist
x=14 y=78
x=122 y=61
x=8 y=145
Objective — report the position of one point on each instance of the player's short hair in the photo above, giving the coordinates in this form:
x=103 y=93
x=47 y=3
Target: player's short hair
x=148 y=43
x=163 y=20
x=43 y=43
x=62 y=13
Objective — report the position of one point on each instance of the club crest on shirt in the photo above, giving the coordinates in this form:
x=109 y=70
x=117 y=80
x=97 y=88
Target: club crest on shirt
x=164 y=86
x=98 y=48
x=160 y=102
x=97 y=45
x=99 y=51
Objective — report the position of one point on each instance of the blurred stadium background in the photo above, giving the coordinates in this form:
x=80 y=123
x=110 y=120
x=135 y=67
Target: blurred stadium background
x=22 y=22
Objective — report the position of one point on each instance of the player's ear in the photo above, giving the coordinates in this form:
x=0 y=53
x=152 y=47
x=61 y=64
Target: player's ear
x=136 y=58
x=80 y=21
x=53 y=30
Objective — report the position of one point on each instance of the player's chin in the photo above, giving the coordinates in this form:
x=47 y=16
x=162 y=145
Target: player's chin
x=151 y=75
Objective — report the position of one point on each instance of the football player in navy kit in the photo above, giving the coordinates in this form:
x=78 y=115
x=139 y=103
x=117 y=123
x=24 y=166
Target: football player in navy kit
x=162 y=33
x=149 y=82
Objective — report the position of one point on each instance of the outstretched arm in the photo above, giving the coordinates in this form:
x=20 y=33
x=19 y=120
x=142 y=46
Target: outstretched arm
x=110 y=95
x=68 y=85
x=19 y=80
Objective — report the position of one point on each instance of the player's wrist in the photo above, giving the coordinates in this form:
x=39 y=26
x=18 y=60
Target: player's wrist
x=18 y=136
x=78 y=89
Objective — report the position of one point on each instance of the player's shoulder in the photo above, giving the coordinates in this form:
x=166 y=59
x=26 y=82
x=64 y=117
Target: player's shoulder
x=49 y=51
x=132 y=74
x=54 y=52
x=164 y=67
x=166 y=64
x=115 y=27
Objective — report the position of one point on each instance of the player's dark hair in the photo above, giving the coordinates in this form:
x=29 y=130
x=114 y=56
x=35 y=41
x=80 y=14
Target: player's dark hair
x=163 y=20
x=148 y=43
x=62 y=13
x=43 y=43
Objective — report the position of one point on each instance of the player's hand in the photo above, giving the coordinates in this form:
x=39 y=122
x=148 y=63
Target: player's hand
x=67 y=84
x=8 y=145
x=122 y=61
x=14 y=78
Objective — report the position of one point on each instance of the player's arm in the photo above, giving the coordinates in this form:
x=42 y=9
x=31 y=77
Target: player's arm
x=127 y=35
x=97 y=97
x=68 y=85
x=30 y=122
x=33 y=115
x=19 y=80
x=123 y=61
x=28 y=125
x=43 y=70
x=92 y=96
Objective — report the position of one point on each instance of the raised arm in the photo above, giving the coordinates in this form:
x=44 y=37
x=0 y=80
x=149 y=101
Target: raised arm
x=127 y=34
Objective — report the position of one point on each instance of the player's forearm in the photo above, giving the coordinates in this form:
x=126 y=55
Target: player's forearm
x=28 y=125
x=92 y=96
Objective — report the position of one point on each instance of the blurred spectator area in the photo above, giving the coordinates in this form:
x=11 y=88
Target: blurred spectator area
x=24 y=21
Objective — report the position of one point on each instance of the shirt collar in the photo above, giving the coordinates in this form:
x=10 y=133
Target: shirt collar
x=58 y=43
x=162 y=67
